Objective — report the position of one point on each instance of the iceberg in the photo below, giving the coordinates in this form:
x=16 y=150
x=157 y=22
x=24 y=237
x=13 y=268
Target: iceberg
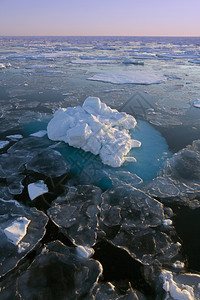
x=95 y=128
x=136 y=77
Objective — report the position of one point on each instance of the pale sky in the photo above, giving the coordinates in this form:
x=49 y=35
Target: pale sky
x=100 y=17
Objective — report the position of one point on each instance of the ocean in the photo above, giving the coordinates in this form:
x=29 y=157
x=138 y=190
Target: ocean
x=131 y=230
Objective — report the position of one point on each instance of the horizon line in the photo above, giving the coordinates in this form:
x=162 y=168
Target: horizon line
x=192 y=36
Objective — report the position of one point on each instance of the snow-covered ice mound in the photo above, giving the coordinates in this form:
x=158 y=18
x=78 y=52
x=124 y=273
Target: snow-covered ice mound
x=136 y=77
x=95 y=128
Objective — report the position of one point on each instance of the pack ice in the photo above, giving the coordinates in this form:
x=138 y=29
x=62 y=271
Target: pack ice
x=96 y=128
x=135 y=77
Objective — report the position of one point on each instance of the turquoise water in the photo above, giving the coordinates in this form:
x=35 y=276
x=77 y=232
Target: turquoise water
x=150 y=156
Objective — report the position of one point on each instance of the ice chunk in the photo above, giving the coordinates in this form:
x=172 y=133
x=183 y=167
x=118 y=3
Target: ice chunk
x=176 y=290
x=167 y=222
x=2 y=66
x=14 y=137
x=136 y=77
x=3 y=144
x=178 y=265
x=17 y=230
x=36 y=189
x=84 y=252
x=96 y=128
x=196 y=103
x=40 y=133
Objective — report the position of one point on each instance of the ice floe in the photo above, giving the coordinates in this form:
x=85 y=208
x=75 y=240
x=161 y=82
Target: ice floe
x=48 y=162
x=77 y=214
x=96 y=128
x=113 y=90
x=180 y=176
x=91 y=61
x=59 y=274
x=36 y=189
x=136 y=216
x=136 y=77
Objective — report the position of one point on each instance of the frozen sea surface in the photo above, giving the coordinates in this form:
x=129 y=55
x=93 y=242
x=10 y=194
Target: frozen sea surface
x=60 y=203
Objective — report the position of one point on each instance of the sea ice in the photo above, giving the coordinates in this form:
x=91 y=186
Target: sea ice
x=17 y=230
x=3 y=144
x=180 y=287
x=136 y=77
x=136 y=215
x=14 y=184
x=14 y=137
x=113 y=90
x=91 y=61
x=167 y=222
x=195 y=61
x=180 y=176
x=77 y=214
x=178 y=264
x=21 y=228
x=59 y=273
x=40 y=133
x=84 y=252
x=95 y=128
x=48 y=162
x=128 y=61
x=2 y=66
x=196 y=103
x=36 y=189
